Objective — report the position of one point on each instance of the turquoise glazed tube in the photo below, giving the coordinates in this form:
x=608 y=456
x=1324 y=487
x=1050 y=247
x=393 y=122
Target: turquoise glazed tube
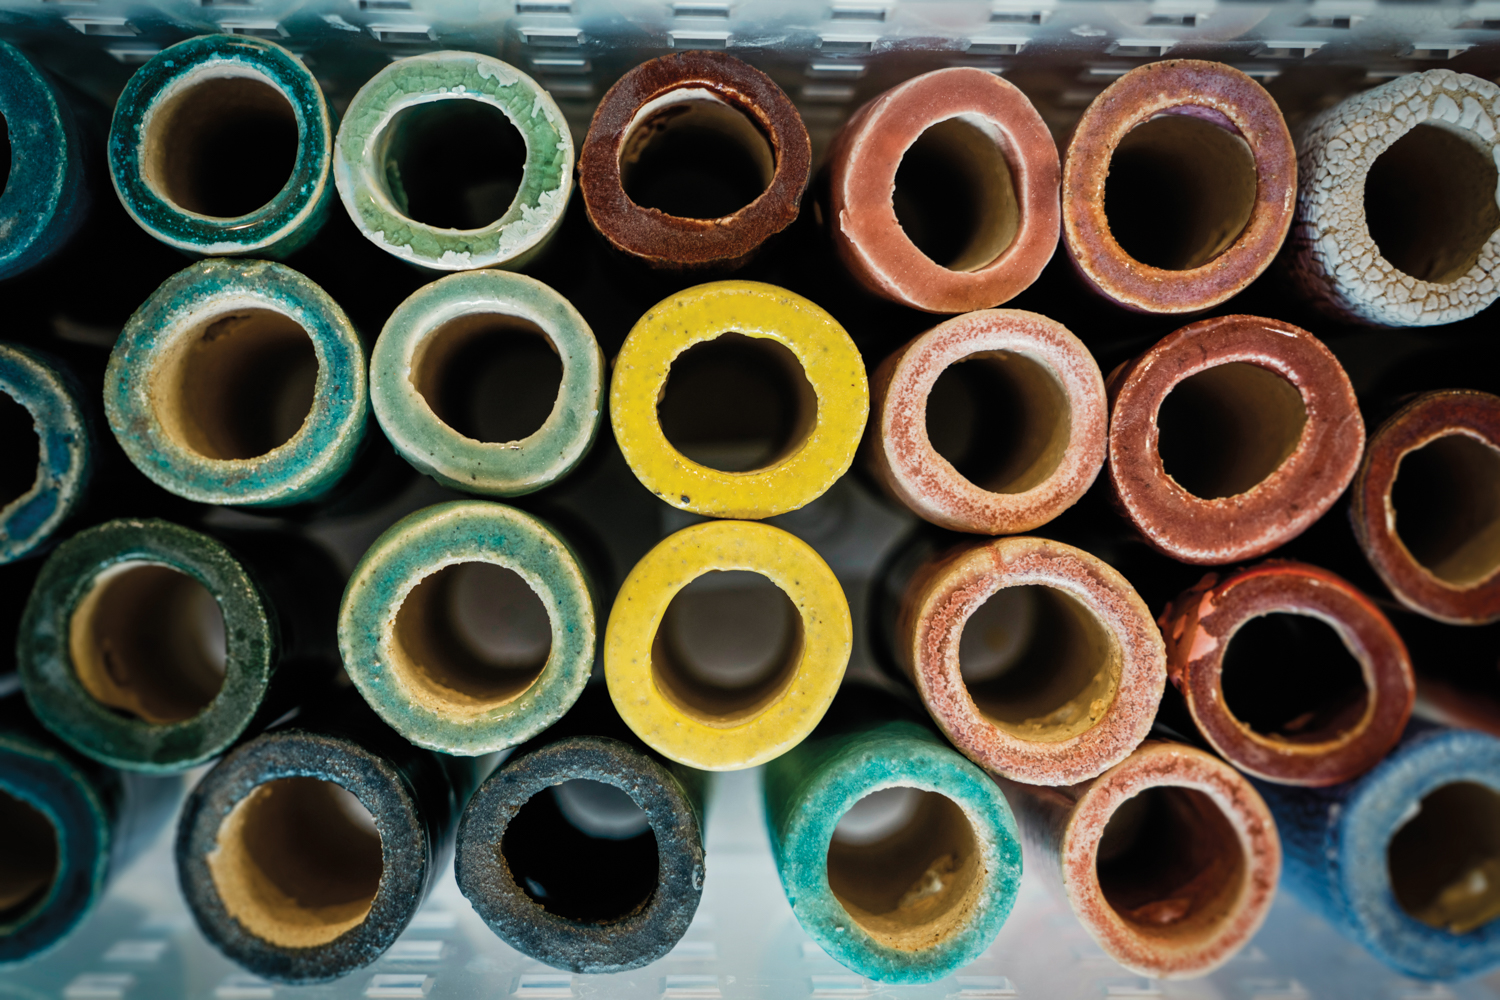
x=203 y=133
x=436 y=331
x=409 y=656
x=1405 y=860
x=45 y=198
x=906 y=901
x=39 y=498
x=306 y=851
x=239 y=382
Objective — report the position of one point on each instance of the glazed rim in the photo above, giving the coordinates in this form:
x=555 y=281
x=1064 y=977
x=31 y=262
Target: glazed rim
x=62 y=473
x=1060 y=387
x=1206 y=90
x=39 y=145
x=1464 y=588
x=1314 y=472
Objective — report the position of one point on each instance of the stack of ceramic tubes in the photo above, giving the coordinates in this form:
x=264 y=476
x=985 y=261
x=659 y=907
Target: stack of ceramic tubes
x=1030 y=623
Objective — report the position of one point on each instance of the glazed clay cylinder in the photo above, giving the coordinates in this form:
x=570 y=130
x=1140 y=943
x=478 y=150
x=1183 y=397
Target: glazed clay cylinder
x=47 y=447
x=1200 y=140
x=710 y=93
x=1230 y=436
x=1004 y=167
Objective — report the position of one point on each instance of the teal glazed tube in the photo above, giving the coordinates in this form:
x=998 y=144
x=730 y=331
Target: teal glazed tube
x=306 y=851
x=239 y=382
x=222 y=145
x=443 y=329
x=1405 y=859
x=409 y=654
x=47 y=466
x=151 y=647
x=908 y=897
x=45 y=198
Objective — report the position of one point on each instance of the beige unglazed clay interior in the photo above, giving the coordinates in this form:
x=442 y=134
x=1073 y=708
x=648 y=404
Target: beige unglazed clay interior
x=684 y=137
x=955 y=197
x=1446 y=498
x=20 y=450
x=297 y=862
x=29 y=862
x=148 y=640
x=1444 y=861
x=488 y=376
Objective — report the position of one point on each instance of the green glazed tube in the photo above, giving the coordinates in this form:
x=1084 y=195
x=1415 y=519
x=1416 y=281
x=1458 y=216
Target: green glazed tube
x=37 y=499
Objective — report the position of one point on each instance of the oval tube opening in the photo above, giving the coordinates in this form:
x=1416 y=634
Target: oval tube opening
x=147 y=640
x=297 y=862
x=955 y=197
x=1446 y=498
x=690 y=154
x=1444 y=861
x=1179 y=192
x=1224 y=430
x=490 y=377
x=453 y=164
x=20 y=450
x=29 y=858
x=1291 y=677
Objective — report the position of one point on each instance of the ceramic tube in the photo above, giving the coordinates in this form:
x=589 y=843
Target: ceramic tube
x=1396 y=211
x=708 y=96
x=1200 y=140
x=1169 y=859
x=1345 y=728
x=1230 y=437
x=175 y=123
x=1062 y=675
x=1031 y=467
x=39 y=499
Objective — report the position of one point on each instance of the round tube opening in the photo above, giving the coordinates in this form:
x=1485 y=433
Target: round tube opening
x=490 y=377
x=1291 y=677
x=456 y=163
x=147 y=640
x=1446 y=499
x=29 y=859
x=692 y=155
x=20 y=450
x=1444 y=860
x=955 y=196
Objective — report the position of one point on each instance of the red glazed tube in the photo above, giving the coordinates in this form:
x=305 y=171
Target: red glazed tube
x=974 y=115
x=1228 y=254
x=1441 y=555
x=1079 y=691
x=1269 y=481
x=642 y=104
x=1348 y=737
x=1053 y=453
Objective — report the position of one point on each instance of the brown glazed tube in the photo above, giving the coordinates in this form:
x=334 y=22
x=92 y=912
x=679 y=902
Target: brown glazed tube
x=1263 y=433
x=707 y=92
x=1169 y=859
x=1346 y=729
x=1217 y=140
x=1433 y=534
x=994 y=144
x=1065 y=670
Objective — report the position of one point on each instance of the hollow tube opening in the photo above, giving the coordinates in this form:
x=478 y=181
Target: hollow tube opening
x=1446 y=499
x=1444 y=860
x=1180 y=190
x=148 y=641
x=1001 y=419
x=1227 y=428
x=455 y=163
x=955 y=196
x=737 y=403
x=29 y=857
x=1430 y=202
x=20 y=450
x=298 y=862
x=690 y=154
x=1293 y=678
x=490 y=377
x=5 y=153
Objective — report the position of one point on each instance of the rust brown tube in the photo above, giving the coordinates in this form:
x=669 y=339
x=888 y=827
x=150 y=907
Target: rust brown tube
x=1037 y=660
x=1267 y=686
x=1169 y=859
x=1230 y=437
x=1178 y=186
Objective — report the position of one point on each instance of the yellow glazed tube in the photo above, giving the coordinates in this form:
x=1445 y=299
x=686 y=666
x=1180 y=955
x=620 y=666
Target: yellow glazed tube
x=828 y=358
x=687 y=723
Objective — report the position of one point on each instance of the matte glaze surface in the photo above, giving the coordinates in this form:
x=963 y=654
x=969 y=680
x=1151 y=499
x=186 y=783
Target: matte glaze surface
x=53 y=397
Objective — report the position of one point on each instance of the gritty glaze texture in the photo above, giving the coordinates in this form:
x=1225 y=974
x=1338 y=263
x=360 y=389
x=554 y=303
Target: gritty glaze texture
x=911 y=470
x=379 y=211
x=1278 y=508
x=53 y=397
x=1199 y=626
x=1168 y=87
x=862 y=164
x=1333 y=259
x=672 y=242
x=502 y=469
x=277 y=228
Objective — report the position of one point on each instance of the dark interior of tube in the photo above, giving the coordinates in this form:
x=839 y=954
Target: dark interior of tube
x=453 y=164
x=1180 y=191
x=694 y=156
x=584 y=851
x=5 y=153
x=955 y=197
x=20 y=450
x=737 y=403
x=1444 y=861
x=1001 y=419
x=1291 y=677
x=1430 y=202
x=490 y=377
x=29 y=859
x=1446 y=498
x=1225 y=429
x=1170 y=863
x=148 y=641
